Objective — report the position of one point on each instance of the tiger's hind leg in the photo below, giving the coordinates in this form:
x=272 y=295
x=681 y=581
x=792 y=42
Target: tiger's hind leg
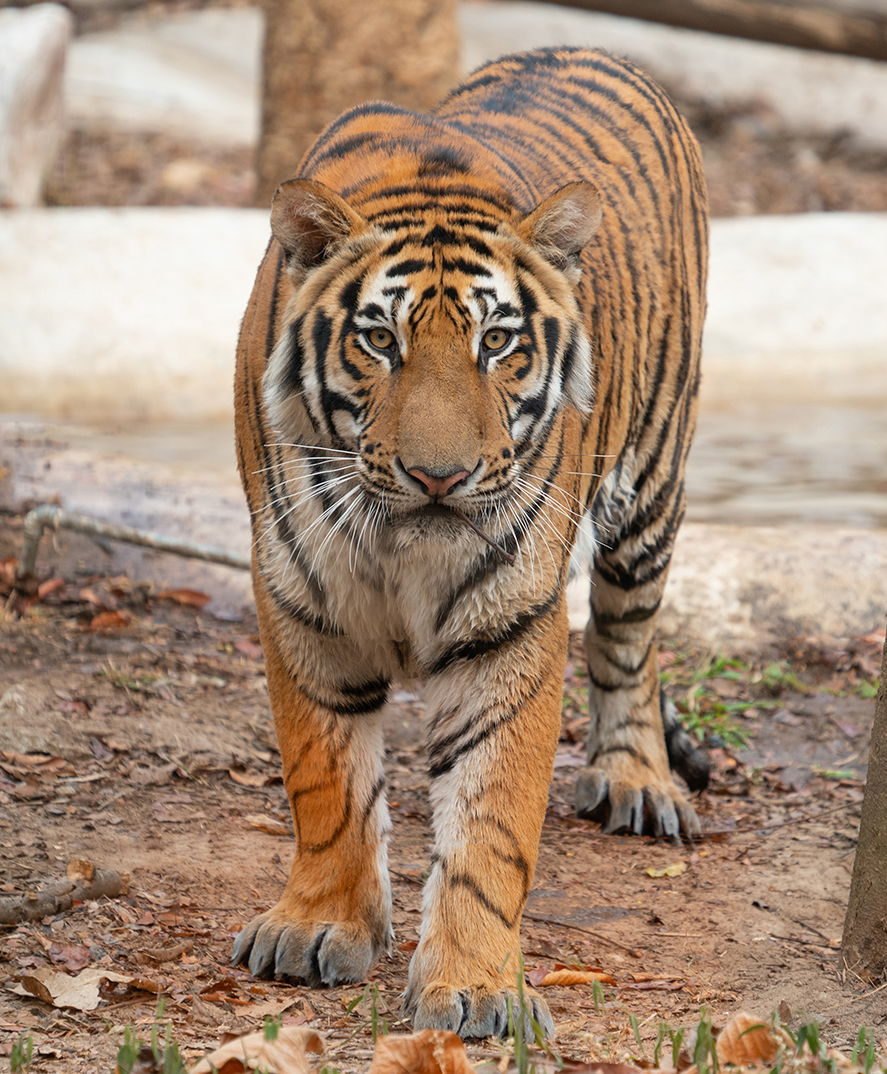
x=334 y=917
x=683 y=757
x=634 y=739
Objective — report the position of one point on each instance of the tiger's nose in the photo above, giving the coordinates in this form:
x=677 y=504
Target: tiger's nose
x=438 y=484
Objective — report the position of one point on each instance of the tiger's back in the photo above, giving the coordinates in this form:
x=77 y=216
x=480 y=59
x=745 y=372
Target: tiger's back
x=471 y=350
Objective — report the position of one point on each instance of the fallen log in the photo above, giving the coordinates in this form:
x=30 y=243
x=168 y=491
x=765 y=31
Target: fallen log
x=837 y=26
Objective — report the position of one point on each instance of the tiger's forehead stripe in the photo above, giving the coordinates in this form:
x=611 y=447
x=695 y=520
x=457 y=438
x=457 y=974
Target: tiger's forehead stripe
x=476 y=292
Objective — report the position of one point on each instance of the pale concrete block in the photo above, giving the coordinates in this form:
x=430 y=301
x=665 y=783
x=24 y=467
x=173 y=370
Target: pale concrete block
x=197 y=73
x=193 y=75
x=147 y=302
x=145 y=307
x=796 y=309
x=735 y=587
x=33 y=45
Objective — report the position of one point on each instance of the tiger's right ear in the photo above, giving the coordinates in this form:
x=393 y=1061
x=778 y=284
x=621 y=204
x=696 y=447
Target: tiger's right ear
x=309 y=221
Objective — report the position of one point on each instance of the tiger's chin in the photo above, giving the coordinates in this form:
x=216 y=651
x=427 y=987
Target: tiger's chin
x=430 y=522
x=435 y=528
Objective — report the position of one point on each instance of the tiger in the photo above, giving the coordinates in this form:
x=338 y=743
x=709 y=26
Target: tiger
x=469 y=365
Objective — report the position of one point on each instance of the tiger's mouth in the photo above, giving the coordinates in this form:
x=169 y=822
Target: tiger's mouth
x=434 y=510
x=457 y=517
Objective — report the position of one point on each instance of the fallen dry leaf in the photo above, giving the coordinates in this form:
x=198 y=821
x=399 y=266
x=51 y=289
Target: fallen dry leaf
x=433 y=1051
x=677 y=869
x=147 y=775
x=109 y=621
x=80 y=993
x=657 y=985
x=49 y=586
x=100 y=600
x=248 y=648
x=543 y=1063
x=568 y=978
x=746 y=1039
x=223 y=984
x=72 y=956
x=286 y=1054
x=163 y=954
x=272 y=1008
x=41 y=761
x=248 y=777
x=8 y=568
x=73 y=705
x=267 y=824
x=189 y=597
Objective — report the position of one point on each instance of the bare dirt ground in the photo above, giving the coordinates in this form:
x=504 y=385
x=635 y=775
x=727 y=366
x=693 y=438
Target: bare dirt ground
x=135 y=733
x=752 y=166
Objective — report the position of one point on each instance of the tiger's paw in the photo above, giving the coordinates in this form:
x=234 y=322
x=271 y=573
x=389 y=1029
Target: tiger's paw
x=277 y=945
x=476 y=1010
x=623 y=807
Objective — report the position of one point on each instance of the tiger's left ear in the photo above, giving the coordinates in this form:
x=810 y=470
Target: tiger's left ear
x=563 y=224
x=309 y=221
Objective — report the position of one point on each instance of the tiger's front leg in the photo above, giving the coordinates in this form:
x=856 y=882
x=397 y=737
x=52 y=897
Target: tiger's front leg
x=334 y=918
x=494 y=726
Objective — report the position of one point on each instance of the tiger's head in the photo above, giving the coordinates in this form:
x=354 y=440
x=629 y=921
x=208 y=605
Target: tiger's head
x=439 y=340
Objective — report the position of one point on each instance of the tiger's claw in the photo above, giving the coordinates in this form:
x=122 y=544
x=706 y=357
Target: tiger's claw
x=624 y=809
x=318 y=953
x=477 y=1011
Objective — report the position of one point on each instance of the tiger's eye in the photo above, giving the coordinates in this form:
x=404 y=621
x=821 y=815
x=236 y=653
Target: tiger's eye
x=495 y=339
x=381 y=339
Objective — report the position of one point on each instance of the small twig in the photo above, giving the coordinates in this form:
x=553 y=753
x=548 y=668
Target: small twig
x=810 y=928
x=407 y=878
x=712 y=832
x=164 y=954
x=59 y=895
x=507 y=556
x=857 y=999
x=798 y=939
x=131 y=1002
x=684 y=935
x=588 y=932
x=48 y=516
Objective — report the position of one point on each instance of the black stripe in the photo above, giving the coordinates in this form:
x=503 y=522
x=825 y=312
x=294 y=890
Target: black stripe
x=501 y=639
x=464 y=881
x=445 y=753
x=378 y=788
x=292 y=381
x=360 y=698
x=630 y=750
x=303 y=616
x=341 y=827
x=487 y=565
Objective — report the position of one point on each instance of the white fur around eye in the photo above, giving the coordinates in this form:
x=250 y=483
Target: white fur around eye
x=490 y=356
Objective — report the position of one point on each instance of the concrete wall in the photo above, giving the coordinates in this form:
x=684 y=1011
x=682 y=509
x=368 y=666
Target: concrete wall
x=132 y=314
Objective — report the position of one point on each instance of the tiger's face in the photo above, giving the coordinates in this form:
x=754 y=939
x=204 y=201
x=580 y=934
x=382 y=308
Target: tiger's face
x=440 y=352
